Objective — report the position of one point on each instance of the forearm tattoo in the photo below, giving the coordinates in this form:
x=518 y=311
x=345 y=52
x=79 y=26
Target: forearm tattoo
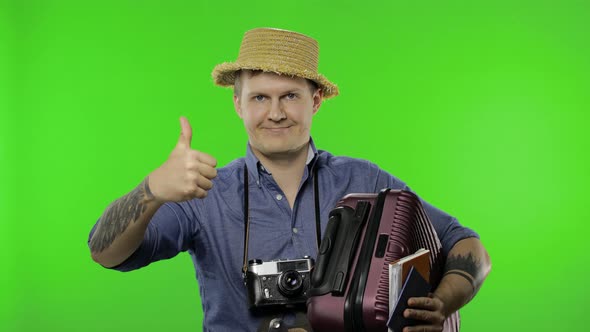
x=119 y=214
x=465 y=266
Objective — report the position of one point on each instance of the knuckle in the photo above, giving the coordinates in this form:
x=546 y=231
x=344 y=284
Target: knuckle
x=194 y=165
x=206 y=185
x=200 y=156
x=193 y=156
x=421 y=315
x=189 y=191
x=188 y=166
x=201 y=180
x=201 y=193
x=192 y=179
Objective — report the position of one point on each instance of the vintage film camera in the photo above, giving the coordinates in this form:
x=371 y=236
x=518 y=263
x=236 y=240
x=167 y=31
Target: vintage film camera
x=279 y=282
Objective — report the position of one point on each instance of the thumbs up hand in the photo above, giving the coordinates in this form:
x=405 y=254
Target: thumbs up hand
x=186 y=174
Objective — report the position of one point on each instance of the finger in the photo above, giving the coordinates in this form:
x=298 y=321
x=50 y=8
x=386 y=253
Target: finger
x=432 y=317
x=207 y=171
x=204 y=183
x=422 y=328
x=207 y=159
x=201 y=193
x=186 y=133
x=418 y=314
x=423 y=303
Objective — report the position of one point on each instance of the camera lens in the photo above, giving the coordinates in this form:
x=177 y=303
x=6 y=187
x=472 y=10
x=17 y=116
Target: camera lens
x=290 y=283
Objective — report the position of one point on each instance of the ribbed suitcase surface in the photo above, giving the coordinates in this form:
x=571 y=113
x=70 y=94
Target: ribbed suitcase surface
x=350 y=282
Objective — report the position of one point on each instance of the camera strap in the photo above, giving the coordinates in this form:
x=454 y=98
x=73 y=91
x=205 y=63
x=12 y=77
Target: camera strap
x=316 y=196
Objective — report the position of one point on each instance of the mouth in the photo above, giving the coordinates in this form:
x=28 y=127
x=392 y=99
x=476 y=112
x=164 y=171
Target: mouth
x=277 y=129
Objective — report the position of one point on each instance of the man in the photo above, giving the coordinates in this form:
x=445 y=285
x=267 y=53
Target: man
x=188 y=205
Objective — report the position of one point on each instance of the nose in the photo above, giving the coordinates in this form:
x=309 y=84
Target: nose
x=276 y=112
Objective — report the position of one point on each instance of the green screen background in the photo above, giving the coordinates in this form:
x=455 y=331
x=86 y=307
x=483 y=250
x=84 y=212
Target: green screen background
x=480 y=106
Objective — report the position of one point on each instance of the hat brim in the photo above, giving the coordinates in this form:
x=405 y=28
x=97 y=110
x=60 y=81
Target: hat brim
x=224 y=74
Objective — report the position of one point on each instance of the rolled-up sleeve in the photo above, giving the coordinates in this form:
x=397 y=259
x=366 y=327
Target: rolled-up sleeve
x=170 y=231
x=447 y=227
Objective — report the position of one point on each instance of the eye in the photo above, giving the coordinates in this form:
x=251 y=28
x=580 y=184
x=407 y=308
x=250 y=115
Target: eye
x=290 y=96
x=259 y=98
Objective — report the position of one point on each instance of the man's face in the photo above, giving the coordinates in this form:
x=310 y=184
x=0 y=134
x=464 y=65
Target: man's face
x=277 y=111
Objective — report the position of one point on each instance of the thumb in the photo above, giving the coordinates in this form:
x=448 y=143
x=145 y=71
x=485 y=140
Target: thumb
x=186 y=134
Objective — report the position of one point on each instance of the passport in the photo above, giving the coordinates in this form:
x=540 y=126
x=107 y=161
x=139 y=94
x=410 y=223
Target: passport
x=414 y=286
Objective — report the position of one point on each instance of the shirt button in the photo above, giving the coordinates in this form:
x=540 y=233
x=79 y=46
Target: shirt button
x=295 y=230
x=279 y=197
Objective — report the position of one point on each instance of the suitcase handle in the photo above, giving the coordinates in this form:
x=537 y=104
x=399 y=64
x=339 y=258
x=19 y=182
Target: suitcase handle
x=325 y=251
x=338 y=248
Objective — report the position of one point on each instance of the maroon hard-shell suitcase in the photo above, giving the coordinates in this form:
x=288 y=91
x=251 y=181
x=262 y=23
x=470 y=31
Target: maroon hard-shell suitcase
x=365 y=232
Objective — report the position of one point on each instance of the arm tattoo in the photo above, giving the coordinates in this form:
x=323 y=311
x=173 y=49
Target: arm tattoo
x=465 y=266
x=119 y=214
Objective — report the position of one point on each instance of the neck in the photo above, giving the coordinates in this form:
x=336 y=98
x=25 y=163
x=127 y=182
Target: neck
x=286 y=169
x=288 y=162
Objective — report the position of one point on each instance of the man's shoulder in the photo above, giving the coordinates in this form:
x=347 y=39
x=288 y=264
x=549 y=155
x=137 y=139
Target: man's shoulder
x=358 y=168
x=329 y=160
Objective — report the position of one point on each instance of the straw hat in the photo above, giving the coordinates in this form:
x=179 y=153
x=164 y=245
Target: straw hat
x=279 y=51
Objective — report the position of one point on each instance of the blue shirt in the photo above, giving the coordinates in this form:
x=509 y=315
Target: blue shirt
x=212 y=229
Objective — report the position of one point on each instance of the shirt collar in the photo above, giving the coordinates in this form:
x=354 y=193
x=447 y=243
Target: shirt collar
x=254 y=165
x=312 y=152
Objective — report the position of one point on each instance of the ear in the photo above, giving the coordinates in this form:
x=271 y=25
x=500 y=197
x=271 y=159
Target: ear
x=318 y=97
x=237 y=106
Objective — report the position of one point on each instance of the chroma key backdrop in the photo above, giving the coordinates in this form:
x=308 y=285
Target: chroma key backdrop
x=480 y=106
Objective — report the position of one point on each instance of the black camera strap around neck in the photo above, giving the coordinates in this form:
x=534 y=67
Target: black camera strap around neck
x=316 y=196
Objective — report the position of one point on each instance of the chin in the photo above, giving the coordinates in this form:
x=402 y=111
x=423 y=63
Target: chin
x=276 y=150
x=279 y=148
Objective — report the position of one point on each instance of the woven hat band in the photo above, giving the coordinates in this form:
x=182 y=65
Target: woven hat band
x=279 y=48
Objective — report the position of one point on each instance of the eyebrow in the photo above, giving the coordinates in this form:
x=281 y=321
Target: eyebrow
x=286 y=92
